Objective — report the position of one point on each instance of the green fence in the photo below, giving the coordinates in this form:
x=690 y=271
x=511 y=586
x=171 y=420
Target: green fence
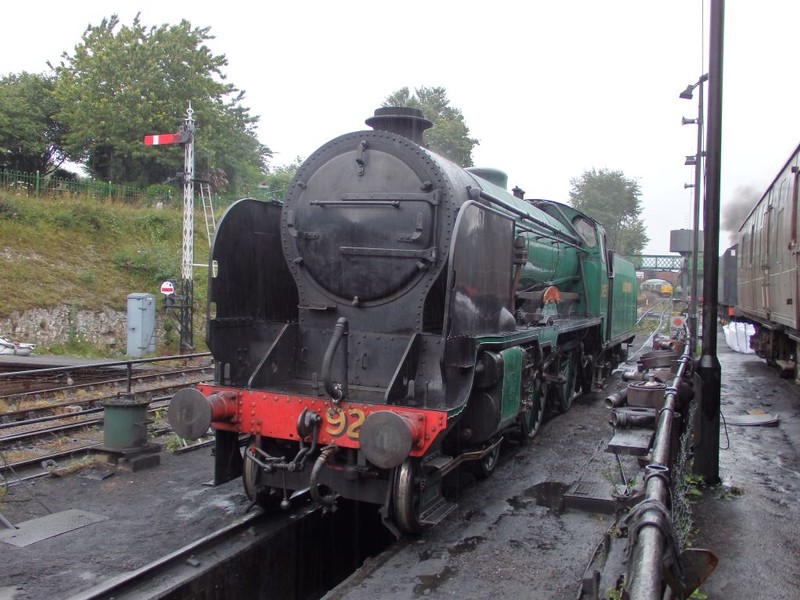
x=38 y=186
x=35 y=185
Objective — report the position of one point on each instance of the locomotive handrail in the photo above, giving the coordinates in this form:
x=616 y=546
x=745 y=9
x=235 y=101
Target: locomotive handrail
x=351 y=203
x=429 y=197
x=540 y=235
x=559 y=235
x=564 y=219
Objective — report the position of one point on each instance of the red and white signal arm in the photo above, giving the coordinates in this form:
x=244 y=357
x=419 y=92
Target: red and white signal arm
x=167 y=288
x=165 y=138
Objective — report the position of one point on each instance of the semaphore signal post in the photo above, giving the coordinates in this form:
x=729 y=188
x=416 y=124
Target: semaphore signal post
x=183 y=300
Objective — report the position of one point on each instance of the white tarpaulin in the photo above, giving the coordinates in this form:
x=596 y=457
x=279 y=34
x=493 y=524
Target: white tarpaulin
x=737 y=336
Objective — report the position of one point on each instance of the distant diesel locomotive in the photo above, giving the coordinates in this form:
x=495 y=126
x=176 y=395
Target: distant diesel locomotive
x=397 y=317
x=657 y=286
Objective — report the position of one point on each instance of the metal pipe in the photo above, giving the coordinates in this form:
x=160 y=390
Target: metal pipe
x=337 y=391
x=698 y=180
x=616 y=399
x=622 y=418
x=6 y=523
x=645 y=569
x=328 y=500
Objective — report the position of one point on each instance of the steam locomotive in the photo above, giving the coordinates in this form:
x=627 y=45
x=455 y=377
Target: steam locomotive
x=395 y=318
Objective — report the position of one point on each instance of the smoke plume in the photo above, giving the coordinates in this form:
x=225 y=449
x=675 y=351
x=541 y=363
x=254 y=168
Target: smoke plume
x=737 y=208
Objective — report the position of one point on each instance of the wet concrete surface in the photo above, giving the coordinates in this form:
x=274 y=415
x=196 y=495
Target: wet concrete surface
x=511 y=536
x=147 y=514
x=751 y=520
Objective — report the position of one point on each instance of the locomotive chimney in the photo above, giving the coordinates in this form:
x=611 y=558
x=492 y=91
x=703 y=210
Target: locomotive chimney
x=408 y=122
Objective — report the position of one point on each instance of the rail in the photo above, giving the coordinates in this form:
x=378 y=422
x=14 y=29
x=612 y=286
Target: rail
x=128 y=582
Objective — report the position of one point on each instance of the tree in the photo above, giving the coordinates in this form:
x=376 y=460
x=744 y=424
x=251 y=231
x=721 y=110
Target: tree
x=123 y=82
x=277 y=180
x=449 y=135
x=30 y=134
x=613 y=200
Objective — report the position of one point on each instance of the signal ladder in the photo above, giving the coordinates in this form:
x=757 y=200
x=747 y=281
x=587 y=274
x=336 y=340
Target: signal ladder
x=208 y=210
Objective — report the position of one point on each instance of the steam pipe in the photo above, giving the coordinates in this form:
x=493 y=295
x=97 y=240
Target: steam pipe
x=328 y=500
x=337 y=391
x=616 y=399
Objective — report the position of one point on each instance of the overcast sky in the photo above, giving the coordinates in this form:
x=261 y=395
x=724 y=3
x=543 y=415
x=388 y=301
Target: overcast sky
x=551 y=89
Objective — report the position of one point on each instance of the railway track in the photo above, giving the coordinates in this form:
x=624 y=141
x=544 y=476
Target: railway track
x=256 y=556
x=155 y=579
x=43 y=429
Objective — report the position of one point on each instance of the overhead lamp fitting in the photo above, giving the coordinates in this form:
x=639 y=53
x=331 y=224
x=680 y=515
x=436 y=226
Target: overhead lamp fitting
x=689 y=91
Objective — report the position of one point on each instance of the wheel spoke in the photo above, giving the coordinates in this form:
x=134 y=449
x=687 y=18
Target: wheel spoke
x=533 y=413
x=565 y=391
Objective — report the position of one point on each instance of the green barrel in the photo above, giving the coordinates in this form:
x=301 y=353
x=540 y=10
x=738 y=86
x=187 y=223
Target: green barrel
x=125 y=422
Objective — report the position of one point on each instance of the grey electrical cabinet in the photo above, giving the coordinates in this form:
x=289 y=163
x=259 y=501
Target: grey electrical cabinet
x=682 y=241
x=141 y=324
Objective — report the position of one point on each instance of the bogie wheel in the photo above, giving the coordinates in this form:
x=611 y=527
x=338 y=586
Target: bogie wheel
x=532 y=414
x=566 y=390
x=406 y=497
x=483 y=468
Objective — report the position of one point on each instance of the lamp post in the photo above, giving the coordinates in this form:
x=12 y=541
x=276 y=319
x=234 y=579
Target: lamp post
x=698 y=174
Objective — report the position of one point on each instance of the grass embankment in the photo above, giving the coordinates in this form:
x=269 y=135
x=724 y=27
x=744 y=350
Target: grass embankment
x=90 y=254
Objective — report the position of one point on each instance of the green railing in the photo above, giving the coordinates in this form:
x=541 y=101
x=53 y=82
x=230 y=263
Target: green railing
x=659 y=262
x=35 y=185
